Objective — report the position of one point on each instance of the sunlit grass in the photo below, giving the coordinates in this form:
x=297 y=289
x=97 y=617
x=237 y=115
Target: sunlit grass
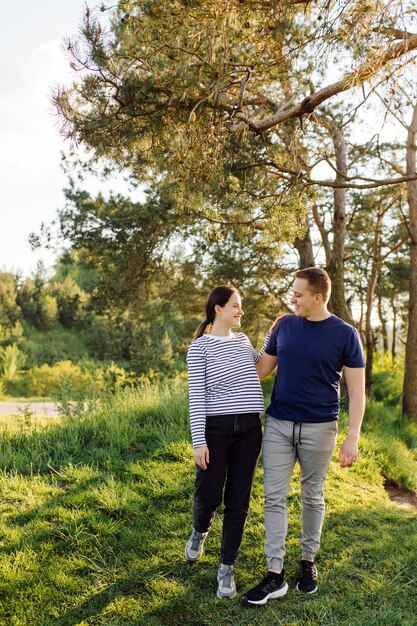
x=13 y=423
x=95 y=513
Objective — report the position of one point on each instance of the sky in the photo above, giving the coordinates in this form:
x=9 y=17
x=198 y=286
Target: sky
x=32 y=62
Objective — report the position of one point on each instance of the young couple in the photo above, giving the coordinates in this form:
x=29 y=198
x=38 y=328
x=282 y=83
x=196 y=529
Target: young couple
x=311 y=348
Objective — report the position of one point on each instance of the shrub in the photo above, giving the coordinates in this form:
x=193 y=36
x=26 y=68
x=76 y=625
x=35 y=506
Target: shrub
x=12 y=361
x=393 y=438
x=388 y=377
x=47 y=380
x=117 y=378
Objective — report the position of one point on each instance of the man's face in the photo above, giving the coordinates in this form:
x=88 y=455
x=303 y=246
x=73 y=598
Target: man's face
x=303 y=299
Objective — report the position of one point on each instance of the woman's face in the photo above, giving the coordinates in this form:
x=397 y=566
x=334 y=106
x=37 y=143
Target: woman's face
x=231 y=313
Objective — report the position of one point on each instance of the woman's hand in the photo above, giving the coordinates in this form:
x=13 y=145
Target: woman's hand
x=275 y=322
x=201 y=456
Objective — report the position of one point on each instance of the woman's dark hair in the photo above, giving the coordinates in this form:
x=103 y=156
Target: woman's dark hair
x=219 y=295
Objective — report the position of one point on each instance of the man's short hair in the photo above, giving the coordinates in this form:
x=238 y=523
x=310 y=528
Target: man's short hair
x=318 y=280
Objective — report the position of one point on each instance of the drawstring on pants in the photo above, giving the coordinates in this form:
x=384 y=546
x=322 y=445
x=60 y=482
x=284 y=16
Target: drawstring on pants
x=299 y=442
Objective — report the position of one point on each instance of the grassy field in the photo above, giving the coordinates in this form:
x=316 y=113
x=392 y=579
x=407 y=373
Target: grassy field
x=15 y=423
x=95 y=513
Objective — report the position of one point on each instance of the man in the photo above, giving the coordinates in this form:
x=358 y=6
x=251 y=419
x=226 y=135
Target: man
x=312 y=348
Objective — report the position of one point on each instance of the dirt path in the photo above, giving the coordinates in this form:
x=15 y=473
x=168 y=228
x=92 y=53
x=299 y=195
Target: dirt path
x=403 y=497
x=40 y=409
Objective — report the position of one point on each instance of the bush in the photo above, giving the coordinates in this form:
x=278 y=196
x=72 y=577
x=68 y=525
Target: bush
x=393 y=439
x=57 y=344
x=20 y=386
x=12 y=361
x=47 y=380
x=117 y=378
x=388 y=379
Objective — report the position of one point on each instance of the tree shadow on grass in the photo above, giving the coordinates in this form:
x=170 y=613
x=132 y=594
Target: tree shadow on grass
x=363 y=580
x=366 y=562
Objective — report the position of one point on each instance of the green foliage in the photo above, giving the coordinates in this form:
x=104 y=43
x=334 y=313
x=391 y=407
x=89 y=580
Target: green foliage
x=70 y=299
x=47 y=312
x=72 y=268
x=191 y=100
x=9 y=310
x=28 y=299
x=54 y=345
x=388 y=376
x=47 y=380
x=12 y=361
x=121 y=241
x=116 y=378
x=177 y=106
x=393 y=440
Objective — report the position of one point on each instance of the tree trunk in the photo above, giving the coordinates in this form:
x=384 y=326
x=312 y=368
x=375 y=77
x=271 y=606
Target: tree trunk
x=383 y=323
x=394 y=332
x=336 y=267
x=369 y=336
x=304 y=248
x=410 y=373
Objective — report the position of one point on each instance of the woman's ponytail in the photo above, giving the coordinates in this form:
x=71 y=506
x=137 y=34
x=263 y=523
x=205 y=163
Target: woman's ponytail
x=202 y=329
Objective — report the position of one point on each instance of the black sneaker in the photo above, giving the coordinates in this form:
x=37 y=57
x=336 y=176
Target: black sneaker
x=307 y=577
x=272 y=586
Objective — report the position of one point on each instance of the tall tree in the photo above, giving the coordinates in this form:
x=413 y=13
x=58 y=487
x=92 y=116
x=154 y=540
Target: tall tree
x=376 y=234
x=410 y=372
x=196 y=93
x=200 y=99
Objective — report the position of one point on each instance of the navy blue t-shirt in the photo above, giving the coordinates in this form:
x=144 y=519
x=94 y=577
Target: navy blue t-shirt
x=311 y=356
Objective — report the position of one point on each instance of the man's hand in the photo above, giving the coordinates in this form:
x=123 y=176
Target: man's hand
x=201 y=456
x=348 y=453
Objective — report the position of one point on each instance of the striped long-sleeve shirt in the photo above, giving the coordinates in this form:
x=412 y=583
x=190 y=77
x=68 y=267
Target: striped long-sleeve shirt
x=222 y=380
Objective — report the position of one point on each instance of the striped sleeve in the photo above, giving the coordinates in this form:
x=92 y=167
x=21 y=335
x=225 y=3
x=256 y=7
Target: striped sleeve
x=258 y=355
x=197 y=394
x=262 y=350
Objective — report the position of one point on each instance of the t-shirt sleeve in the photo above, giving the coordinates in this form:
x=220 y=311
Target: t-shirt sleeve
x=197 y=394
x=353 y=353
x=271 y=347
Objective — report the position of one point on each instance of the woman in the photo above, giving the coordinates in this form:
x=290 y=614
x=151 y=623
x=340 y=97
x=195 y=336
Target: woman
x=225 y=404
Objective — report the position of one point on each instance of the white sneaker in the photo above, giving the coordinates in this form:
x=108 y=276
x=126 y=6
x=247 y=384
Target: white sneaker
x=226 y=580
x=195 y=545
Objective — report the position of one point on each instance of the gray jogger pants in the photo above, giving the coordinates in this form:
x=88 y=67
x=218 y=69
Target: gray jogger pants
x=284 y=442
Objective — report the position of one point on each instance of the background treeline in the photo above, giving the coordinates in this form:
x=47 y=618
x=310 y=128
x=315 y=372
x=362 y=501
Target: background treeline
x=53 y=333
x=85 y=325
x=95 y=323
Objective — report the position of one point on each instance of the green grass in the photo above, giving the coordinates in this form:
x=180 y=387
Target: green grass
x=95 y=513
x=14 y=423
x=27 y=399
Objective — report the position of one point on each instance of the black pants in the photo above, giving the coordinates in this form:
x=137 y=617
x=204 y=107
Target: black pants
x=234 y=443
